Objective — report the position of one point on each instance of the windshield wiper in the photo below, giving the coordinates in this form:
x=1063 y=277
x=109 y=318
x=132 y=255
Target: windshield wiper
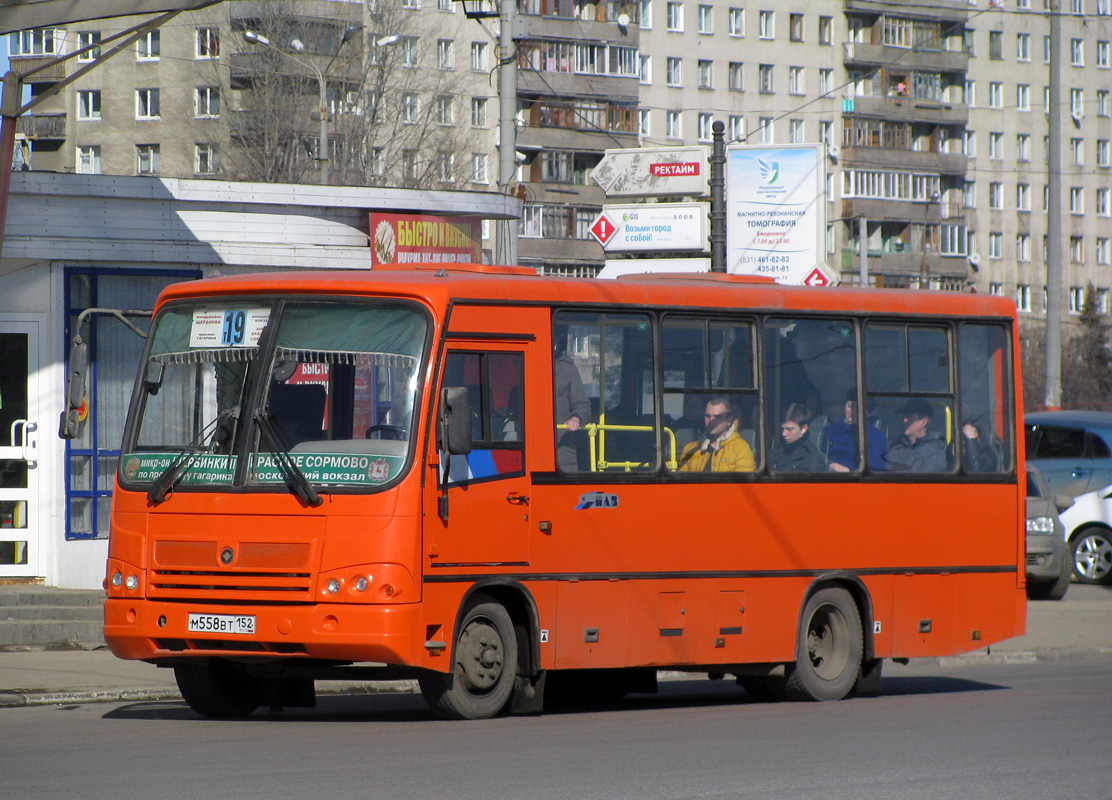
x=297 y=480
x=183 y=460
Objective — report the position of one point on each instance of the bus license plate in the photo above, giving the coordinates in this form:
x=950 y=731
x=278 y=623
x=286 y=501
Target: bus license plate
x=242 y=624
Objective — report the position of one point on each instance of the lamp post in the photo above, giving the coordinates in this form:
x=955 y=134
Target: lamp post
x=322 y=82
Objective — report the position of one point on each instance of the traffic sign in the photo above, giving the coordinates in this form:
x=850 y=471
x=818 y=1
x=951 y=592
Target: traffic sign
x=603 y=229
x=652 y=226
x=821 y=275
x=653 y=172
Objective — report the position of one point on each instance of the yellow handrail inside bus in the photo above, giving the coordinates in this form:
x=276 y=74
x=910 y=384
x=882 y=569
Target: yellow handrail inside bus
x=596 y=433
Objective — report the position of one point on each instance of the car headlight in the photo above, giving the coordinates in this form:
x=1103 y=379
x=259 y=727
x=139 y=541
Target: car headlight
x=1040 y=525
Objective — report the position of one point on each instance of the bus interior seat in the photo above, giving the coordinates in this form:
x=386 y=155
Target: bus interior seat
x=750 y=437
x=298 y=409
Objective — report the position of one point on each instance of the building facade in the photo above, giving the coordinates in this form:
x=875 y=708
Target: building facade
x=934 y=116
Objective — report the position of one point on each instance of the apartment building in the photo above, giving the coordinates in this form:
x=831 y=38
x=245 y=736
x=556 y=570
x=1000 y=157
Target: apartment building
x=934 y=115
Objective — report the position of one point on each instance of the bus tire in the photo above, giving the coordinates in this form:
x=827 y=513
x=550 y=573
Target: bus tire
x=828 y=649
x=219 y=689
x=484 y=666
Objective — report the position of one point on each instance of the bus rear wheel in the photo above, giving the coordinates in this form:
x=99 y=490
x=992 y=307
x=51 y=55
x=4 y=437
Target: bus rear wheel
x=829 y=648
x=484 y=666
x=219 y=689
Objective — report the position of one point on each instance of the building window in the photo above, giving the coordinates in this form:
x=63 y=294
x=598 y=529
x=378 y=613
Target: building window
x=826 y=80
x=207 y=102
x=1102 y=153
x=737 y=22
x=643 y=118
x=479 y=56
x=796 y=131
x=478 y=112
x=996 y=245
x=995 y=95
x=88 y=160
x=1023 y=47
x=444 y=109
x=645 y=73
x=1102 y=202
x=1102 y=102
x=1023 y=297
x=1077 y=299
x=706 y=19
x=1077 y=250
x=675 y=71
x=444 y=54
x=445 y=166
x=148 y=47
x=736 y=77
x=795 y=80
x=705 y=122
x=1102 y=254
x=1102 y=55
x=409 y=51
x=795 y=27
x=1023 y=197
x=204 y=158
x=88 y=39
x=479 y=168
x=375 y=162
x=995 y=145
x=147 y=104
x=410 y=108
x=675 y=16
x=673 y=124
x=1077 y=52
x=1023 y=247
x=706 y=74
x=969 y=143
x=1077 y=200
x=1077 y=151
x=768 y=134
x=736 y=130
x=996 y=289
x=88 y=104
x=646 y=15
x=764 y=75
x=207 y=43
x=409 y=165
x=766 y=28
x=147 y=156
x=1077 y=103
x=995 y=45
x=826 y=30
x=1023 y=147
x=446 y=5
x=995 y=195
x=1023 y=97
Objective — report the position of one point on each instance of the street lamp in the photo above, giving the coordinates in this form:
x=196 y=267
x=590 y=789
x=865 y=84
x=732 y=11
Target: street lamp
x=251 y=37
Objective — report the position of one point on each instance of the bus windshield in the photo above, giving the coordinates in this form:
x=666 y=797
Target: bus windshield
x=234 y=393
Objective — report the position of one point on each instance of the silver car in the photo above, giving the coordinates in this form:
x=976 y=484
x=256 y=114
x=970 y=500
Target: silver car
x=1049 y=562
x=1072 y=449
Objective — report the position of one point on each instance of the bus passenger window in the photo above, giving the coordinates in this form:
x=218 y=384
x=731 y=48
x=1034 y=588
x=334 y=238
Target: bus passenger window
x=985 y=383
x=612 y=355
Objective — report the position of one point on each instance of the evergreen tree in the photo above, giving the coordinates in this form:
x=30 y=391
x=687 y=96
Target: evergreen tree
x=1087 y=365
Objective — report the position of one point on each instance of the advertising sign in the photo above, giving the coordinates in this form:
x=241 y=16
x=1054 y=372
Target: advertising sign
x=653 y=171
x=775 y=212
x=652 y=226
x=411 y=238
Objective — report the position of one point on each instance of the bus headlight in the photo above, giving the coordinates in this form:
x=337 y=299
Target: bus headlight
x=117 y=578
x=132 y=583
x=333 y=586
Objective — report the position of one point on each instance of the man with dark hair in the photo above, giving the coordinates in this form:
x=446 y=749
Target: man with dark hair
x=721 y=449
x=841 y=437
x=796 y=452
x=917 y=450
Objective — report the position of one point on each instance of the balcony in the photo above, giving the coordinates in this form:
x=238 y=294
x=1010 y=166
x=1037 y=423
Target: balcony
x=921 y=213
x=911 y=265
x=26 y=64
x=949 y=10
x=43 y=127
x=909 y=109
x=913 y=160
x=875 y=55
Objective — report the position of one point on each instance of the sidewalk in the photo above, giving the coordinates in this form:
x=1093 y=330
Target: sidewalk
x=1078 y=626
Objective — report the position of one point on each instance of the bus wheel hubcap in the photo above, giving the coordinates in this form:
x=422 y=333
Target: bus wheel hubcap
x=479 y=656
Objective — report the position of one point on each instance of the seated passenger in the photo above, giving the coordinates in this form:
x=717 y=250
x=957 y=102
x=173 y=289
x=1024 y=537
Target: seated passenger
x=841 y=437
x=981 y=453
x=721 y=449
x=796 y=452
x=917 y=450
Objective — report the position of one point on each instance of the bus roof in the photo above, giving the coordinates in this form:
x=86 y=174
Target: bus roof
x=439 y=283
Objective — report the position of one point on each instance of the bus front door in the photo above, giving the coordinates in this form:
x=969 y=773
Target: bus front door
x=486 y=519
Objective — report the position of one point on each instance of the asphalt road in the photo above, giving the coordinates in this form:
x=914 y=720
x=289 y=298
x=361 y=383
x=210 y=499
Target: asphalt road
x=1023 y=730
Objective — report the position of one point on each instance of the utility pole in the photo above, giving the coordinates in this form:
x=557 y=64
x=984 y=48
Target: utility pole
x=506 y=241
x=718 y=198
x=1053 y=397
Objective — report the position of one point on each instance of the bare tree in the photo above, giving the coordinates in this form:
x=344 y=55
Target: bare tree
x=399 y=107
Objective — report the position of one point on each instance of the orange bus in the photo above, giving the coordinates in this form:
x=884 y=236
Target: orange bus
x=495 y=482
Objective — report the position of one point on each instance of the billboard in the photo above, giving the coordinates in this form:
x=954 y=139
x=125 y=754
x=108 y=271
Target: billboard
x=413 y=238
x=775 y=211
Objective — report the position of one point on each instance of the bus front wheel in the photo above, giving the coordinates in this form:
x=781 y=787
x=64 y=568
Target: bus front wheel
x=219 y=689
x=484 y=666
x=829 y=648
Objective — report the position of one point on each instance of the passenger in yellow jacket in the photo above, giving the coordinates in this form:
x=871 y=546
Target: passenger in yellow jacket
x=721 y=449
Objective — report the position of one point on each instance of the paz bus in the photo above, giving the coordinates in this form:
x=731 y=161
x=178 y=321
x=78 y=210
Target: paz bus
x=480 y=478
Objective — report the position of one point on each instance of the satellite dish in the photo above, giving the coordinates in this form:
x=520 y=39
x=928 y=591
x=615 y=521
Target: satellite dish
x=974 y=260
x=623 y=21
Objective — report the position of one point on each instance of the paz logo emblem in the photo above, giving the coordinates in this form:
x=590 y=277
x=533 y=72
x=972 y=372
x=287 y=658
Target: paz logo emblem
x=226 y=556
x=770 y=171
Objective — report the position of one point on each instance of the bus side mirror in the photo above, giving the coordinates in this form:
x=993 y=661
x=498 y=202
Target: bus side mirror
x=69 y=426
x=455 y=420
